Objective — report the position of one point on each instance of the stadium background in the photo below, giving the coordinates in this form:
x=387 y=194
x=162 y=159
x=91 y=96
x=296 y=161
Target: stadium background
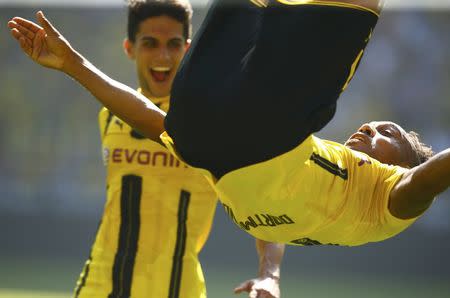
x=52 y=178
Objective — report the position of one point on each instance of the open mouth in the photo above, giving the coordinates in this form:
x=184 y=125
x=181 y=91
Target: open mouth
x=160 y=74
x=358 y=137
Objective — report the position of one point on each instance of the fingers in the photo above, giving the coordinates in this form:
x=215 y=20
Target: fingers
x=26 y=23
x=253 y=290
x=25 y=46
x=243 y=287
x=22 y=29
x=45 y=23
x=16 y=34
x=33 y=28
x=22 y=34
x=24 y=43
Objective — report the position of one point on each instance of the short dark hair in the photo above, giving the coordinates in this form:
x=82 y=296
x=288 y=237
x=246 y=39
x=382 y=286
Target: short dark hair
x=140 y=10
x=422 y=151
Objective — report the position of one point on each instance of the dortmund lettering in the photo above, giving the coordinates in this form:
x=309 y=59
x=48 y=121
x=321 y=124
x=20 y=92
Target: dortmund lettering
x=269 y=220
x=259 y=220
x=248 y=224
x=265 y=220
x=230 y=213
x=286 y=219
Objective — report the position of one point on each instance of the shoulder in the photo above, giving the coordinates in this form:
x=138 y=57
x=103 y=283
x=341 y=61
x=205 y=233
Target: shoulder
x=352 y=160
x=104 y=118
x=330 y=150
x=103 y=111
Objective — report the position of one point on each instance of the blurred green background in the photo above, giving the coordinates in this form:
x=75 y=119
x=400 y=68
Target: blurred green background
x=52 y=177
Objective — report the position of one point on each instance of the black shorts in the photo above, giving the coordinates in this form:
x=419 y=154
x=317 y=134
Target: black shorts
x=257 y=81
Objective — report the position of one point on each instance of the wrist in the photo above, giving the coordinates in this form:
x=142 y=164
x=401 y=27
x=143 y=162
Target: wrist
x=72 y=63
x=273 y=277
x=271 y=274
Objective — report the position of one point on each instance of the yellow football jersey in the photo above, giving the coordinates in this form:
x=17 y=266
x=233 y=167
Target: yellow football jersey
x=157 y=217
x=319 y=193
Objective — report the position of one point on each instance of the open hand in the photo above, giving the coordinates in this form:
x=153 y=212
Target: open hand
x=43 y=44
x=267 y=287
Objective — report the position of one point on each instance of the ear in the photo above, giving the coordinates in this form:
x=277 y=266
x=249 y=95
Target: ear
x=128 y=47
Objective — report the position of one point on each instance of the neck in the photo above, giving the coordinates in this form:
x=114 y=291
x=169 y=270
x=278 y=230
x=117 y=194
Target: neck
x=151 y=96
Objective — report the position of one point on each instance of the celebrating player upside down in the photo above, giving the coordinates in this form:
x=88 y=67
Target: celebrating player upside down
x=277 y=181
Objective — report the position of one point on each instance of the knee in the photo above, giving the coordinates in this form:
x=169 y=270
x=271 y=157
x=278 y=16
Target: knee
x=372 y=5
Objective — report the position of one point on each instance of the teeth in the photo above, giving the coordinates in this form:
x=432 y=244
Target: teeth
x=161 y=68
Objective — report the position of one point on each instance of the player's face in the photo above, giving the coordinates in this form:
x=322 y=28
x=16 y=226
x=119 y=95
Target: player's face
x=158 y=50
x=384 y=141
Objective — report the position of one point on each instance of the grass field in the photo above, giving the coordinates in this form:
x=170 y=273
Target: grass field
x=41 y=279
x=307 y=288
x=8 y=293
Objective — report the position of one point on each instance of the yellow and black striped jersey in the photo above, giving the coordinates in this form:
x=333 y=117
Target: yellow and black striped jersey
x=321 y=192
x=157 y=217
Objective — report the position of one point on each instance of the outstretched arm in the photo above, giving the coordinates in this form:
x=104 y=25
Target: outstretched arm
x=417 y=189
x=267 y=284
x=47 y=47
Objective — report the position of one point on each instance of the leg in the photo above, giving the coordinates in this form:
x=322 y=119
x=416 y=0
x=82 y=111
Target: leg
x=372 y=5
x=206 y=79
x=304 y=58
x=242 y=98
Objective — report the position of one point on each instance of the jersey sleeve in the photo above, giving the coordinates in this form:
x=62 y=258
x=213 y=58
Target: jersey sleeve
x=375 y=181
x=390 y=176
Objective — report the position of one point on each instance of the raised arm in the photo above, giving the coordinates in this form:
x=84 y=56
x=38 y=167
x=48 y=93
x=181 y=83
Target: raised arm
x=417 y=189
x=47 y=47
x=267 y=284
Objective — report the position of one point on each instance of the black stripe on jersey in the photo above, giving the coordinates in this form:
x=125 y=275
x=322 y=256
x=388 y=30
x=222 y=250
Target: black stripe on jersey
x=136 y=135
x=180 y=246
x=108 y=121
x=329 y=166
x=86 y=268
x=84 y=278
x=122 y=273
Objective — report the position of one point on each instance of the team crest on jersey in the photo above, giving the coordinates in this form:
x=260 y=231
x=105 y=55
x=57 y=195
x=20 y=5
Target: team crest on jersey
x=105 y=155
x=364 y=161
